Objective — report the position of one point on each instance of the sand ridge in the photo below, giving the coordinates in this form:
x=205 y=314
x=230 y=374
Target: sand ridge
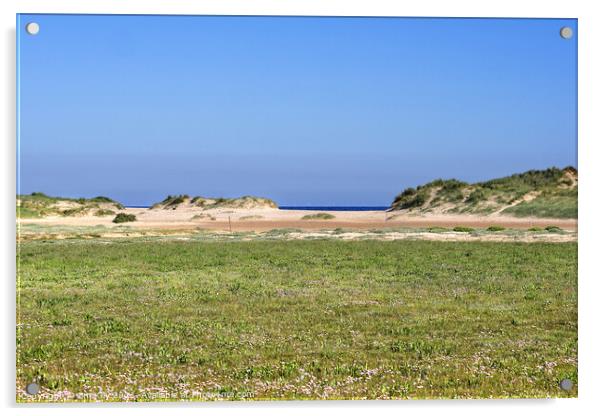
x=264 y=219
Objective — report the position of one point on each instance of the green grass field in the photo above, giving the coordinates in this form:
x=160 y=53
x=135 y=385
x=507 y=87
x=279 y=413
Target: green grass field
x=163 y=320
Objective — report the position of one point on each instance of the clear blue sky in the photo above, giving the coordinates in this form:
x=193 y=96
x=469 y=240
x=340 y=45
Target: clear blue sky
x=307 y=111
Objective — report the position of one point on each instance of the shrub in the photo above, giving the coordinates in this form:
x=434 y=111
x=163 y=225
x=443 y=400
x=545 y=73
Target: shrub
x=476 y=196
x=452 y=194
x=452 y=184
x=463 y=229
x=121 y=217
x=553 y=229
x=535 y=229
x=406 y=193
x=411 y=198
x=413 y=201
x=496 y=228
x=418 y=201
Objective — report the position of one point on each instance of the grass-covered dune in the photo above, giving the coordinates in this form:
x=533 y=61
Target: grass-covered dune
x=549 y=193
x=319 y=319
x=39 y=205
x=186 y=201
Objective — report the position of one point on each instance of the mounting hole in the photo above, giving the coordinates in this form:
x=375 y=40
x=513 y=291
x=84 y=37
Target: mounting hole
x=32 y=388
x=32 y=28
x=566 y=384
x=566 y=32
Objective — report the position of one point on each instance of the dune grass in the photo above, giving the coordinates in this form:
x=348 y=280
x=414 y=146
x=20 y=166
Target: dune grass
x=104 y=212
x=203 y=217
x=318 y=216
x=562 y=204
x=247 y=201
x=141 y=320
x=23 y=212
x=251 y=217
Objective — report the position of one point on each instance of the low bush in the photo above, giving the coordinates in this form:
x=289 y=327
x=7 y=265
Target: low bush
x=411 y=198
x=476 y=196
x=496 y=228
x=462 y=229
x=121 y=217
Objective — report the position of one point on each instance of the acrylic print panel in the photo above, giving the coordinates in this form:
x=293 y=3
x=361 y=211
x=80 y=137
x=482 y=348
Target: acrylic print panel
x=260 y=208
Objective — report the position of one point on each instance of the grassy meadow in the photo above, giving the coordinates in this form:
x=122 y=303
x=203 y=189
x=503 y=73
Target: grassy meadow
x=130 y=319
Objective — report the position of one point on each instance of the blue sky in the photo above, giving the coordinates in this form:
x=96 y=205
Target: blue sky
x=307 y=111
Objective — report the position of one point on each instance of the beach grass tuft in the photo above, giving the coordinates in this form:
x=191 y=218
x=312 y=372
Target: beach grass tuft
x=318 y=216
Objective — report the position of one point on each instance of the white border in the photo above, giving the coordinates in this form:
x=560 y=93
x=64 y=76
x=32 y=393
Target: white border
x=590 y=68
